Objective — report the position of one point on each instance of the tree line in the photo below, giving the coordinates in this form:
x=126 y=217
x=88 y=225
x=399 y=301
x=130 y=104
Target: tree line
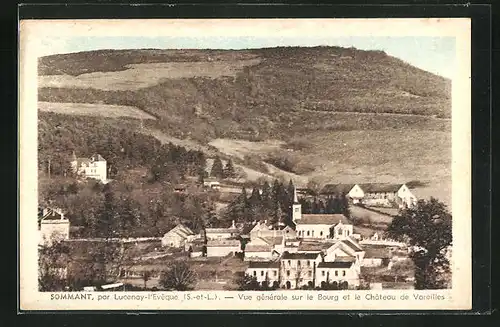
x=122 y=147
x=274 y=202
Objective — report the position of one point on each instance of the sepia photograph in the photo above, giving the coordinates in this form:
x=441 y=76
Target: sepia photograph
x=270 y=162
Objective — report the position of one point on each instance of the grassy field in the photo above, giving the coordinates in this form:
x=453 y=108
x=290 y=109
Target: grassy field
x=137 y=76
x=92 y=109
x=369 y=217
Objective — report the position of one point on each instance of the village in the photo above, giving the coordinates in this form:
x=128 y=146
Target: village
x=314 y=251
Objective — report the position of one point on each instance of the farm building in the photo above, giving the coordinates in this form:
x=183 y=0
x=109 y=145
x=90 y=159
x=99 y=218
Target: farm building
x=375 y=256
x=178 y=236
x=383 y=194
x=223 y=247
x=221 y=233
x=53 y=226
x=212 y=183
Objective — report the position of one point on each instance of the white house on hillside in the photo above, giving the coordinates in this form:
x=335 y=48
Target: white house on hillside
x=383 y=194
x=94 y=167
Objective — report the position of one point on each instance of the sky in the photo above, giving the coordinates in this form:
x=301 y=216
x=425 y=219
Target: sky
x=433 y=54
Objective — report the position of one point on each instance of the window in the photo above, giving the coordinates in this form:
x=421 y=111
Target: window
x=288 y=273
x=336 y=273
x=321 y=233
x=308 y=263
x=254 y=273
x=262 y=272
x=275 y=273
x=322 y=273
x=343 y=272
x=307 y=233
x=309 y=273
x=296 y=209
x=289 y=262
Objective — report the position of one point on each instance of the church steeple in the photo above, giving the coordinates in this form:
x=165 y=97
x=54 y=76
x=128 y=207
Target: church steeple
x=296 y=207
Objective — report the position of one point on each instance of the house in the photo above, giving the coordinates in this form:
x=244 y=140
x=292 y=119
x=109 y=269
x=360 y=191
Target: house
x=221 y=233
x=263 y=229
x=264 y=247
x=94 y=167
x=177 y=237
x=346 y=250
x=222 y=247
x=265 y=272
x=341 y=273
x=298 y=269
x=255 y=252
x=53 y=226
x=211 y=183
x=383 y=194
x=376 y=256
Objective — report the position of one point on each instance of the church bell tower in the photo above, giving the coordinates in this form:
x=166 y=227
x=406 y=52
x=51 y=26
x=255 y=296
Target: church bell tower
x=296 y=207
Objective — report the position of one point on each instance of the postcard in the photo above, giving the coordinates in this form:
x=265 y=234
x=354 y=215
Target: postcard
x=245 y=164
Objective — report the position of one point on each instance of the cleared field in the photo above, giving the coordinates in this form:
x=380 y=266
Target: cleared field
x=91 y=109
x=241 y=148
x=369 y=217
x=138 y=76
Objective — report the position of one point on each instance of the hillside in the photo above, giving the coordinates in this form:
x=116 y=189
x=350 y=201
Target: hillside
x=337 y=114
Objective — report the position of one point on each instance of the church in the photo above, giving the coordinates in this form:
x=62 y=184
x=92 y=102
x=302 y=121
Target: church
x=320 y=226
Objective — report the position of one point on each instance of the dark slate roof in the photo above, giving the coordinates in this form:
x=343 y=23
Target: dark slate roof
x=337 y=188
x=51 y=214
x=352 y=245
x=305 y=191
x=323 y=219
x=299 y=256
x=335 y=264
x=258 y=248
x=264 y=264
x=97 y=157
x=313 y=246
x=380 y=187
x=273 y=240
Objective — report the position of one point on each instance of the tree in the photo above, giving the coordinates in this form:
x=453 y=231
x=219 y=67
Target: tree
x=246 y=282
x=52 y=260
x=314 y=185
x=146 y=275
x=427 y=228
x=179 y=277
x=217 y=169
x=229 y=171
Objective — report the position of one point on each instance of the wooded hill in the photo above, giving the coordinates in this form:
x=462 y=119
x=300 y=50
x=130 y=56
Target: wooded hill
x=270 y=93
